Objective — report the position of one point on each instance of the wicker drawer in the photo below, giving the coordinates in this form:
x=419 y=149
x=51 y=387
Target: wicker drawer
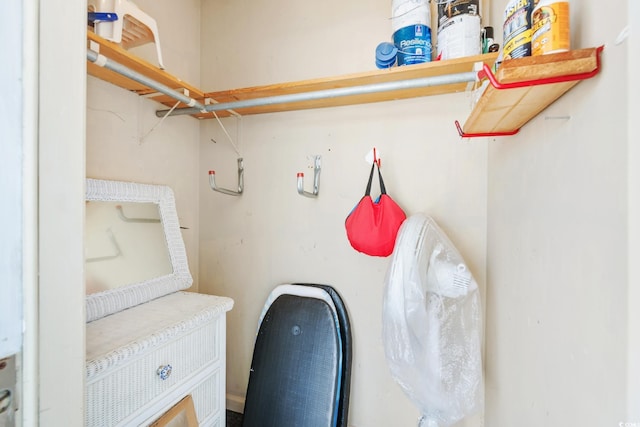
x=134 y=384
x=207 y=397
x=207 y=393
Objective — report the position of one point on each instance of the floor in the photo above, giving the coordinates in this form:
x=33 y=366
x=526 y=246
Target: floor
x=234 y=419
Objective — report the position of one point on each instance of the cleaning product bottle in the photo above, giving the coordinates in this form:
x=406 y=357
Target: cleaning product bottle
x=410 y=21
x=487 y=39
x=551 y=30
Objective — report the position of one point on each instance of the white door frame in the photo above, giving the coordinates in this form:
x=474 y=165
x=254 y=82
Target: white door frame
x=42 y=171
x=633 y=165
x=62 y=60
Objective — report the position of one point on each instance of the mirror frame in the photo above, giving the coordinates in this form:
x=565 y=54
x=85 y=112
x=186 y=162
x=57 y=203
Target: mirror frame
x=111 y=301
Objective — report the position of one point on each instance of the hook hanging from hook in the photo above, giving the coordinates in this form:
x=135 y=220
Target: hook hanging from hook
x=373 y=156
x=316 y=180
x=214 y=187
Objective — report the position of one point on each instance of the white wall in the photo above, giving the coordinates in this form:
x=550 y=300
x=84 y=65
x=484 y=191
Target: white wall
x=542 y=214
x=11 y=183
x=121 y=144
x=272 y=235
x=557 y=249
x=633 y=322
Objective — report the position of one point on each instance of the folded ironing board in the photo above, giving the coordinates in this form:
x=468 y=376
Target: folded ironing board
x=301 y=368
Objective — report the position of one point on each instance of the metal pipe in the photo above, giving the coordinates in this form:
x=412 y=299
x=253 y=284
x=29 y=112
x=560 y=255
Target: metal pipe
x=422 y=82
x=105 y=62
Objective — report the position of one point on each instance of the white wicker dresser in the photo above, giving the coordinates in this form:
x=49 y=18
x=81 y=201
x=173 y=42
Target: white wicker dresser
x=182 y=332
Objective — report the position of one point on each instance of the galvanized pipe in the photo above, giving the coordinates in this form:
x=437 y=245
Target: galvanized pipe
x=197 y=107
x=422 y=82
x=105 y=62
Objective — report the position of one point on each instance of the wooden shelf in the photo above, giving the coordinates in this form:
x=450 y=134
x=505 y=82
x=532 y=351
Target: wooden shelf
x=526 y=86
x=520 y=90
x=431 y=69
x=116 y=53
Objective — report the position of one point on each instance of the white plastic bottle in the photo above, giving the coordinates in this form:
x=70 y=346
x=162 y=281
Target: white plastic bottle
x=410 y=21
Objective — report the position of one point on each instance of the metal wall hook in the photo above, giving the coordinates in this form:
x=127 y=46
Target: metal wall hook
x=214 y=187
x=316 y=179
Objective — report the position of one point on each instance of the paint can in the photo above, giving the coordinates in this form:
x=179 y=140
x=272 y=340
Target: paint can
x=550 y=31
x=410 y=20
x=517 y=29
x=459 y=32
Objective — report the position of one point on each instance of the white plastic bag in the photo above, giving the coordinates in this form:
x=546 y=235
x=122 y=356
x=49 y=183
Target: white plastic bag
x=432 y=324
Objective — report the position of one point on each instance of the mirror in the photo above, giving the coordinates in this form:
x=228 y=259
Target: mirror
x=133 y=246
x=124 y=243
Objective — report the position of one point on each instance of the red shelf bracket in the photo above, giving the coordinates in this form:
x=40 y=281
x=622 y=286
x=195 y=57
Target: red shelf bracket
x=488 y=74
x=482 y=135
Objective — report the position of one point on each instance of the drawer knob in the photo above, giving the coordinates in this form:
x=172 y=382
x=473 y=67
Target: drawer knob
x=164 y=372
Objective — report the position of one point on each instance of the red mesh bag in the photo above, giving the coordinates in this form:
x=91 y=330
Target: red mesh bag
x=372 y=226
